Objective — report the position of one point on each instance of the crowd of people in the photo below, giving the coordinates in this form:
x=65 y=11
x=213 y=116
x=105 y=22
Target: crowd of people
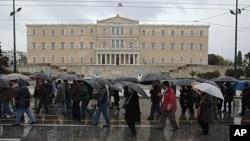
x=77 y=95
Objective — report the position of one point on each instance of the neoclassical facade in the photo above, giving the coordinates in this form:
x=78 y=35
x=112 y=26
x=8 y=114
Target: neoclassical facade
x=117 y=41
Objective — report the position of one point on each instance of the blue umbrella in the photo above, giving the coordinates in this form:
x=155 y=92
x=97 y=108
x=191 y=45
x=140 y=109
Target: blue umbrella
x=240 y=85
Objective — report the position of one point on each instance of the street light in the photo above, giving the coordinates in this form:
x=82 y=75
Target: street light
x=13 y=13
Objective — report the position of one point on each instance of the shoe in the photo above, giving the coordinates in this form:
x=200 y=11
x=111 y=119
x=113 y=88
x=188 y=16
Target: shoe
x=106 y=126
x=159 y=128
x=150 y=118
x=16 y=124
x=175 y=129
x=132 y=134
x=33 y=122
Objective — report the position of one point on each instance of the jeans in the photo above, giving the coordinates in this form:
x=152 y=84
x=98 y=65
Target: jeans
x=21 y=111
x=103 y=108
x=58 y=103
x=85 y=107
x=155 y=107
x=6 y=107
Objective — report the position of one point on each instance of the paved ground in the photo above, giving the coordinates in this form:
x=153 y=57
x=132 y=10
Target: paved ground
x=63 y=128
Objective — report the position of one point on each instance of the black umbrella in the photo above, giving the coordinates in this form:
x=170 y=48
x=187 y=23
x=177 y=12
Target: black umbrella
x=148 y=78
x=130 y=79
x=225 y=79
x=136 y=87
x=68 y=77
x=91 y=83
x=115 y=88
x=40 y=75
x=184 y=82
x=102 y=80
x=4 y=83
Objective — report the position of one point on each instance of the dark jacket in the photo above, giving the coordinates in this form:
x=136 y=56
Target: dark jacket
x=132 y=108
x=154 y=94
x=85 y=93
x=36 y=93
x=60 y=94
x=102 y=96
x=22 y=94
x=76 y=92
x=5 y=93
x=229 y=93
x=206 y=108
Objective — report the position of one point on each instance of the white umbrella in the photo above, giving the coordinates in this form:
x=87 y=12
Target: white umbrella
x=15 y=76
x=210 y=89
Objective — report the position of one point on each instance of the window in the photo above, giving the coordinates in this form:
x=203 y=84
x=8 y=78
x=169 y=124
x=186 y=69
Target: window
x=33 y=45
x=104 y=31
x=201 y=46
x=104 y=44
x=117 y=43
x=130 y=31
x=91 y=45
x=182 y=32
x=34 y=59
x=191 y=60
x=82 y=32
x=191 y=33
x=71 y=59
x=43 y=45
x=191 y=46
x=122 y=43
x=172 y=46
x=153 y=32
x=201 y=33
x=144 y=32
x=117 y=30
x=72 y=32
x=143 y=45
x=162 y=32
x=153 y=60
x=153 y=45
x=62 y=59
x=62 y=45
x=34 y=32
x=62 y=32
x=172 y=60
x=91 y=60
x=81 y=45
x=52 y=45
x=72 y=45
x=52 y=32
x=81 y=59
x=162 y=60
x=182 y=60
x=131 y=44
x=113 y=43
x=43 y=59
x=200 y=60
x=43 y=32
x=181 y=46
x=91 y=31
x=163 y=45
x=172 y=32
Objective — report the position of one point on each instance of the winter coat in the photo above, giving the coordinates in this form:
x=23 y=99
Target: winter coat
x=206 y=114
x=5 y=93
x=154 y=94
x=22 y=94
x=169 y=98
x=229 y=93
x=132 y=108
x=36 y=93
x=102 y=96
x=76 y=92
x=85 y=93
x=60 y=94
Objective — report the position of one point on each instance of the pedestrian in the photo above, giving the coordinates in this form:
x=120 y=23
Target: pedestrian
x=43 y=97
x=22 y=97
x=155 y=95
x=115 y=94
x=75 y=91
x=5 y=94
x=60 y=98
x=205 y=114
x=102 y=104
x=85 y=97
x=67 y=94
x=168 y=107
x=228 y=97
x=245 y=100
x=36 y=94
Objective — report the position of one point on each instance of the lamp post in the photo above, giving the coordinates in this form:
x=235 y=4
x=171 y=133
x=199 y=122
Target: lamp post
x=14 y=31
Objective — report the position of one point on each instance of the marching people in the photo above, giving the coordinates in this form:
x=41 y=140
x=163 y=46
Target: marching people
x=155 y=95
x=75 y=91
x=245 y=100
x=102 y=104
x=205 y=114
x=228 y=97
x=22 y=97
x=132 y=108
x=168 y=107
x=60 y=98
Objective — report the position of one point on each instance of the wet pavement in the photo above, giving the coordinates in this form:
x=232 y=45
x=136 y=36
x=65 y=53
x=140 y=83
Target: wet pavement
x=63 y=128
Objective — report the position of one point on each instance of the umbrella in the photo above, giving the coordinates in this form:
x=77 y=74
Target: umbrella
x=102 y=80
x=240 y=85
x=91 y=83
x=115 y=88
x=15 y=76
x=210 y=89
x=148 y=78
x=184 y=82
x=40 y=75
x=199 y=79
x=130 y=79
x=135 y=87
x=211 y=82
x=4 y=83
x=225 y=79
x=68 y=77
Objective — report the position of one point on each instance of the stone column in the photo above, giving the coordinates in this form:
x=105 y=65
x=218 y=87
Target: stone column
x=133 y=59
x=96 y=58
x=128 y=58
x=106 y=61
x=124 y=58
x=120 y=59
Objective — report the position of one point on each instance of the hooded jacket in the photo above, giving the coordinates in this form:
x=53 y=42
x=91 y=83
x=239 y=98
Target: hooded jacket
x=22 y=94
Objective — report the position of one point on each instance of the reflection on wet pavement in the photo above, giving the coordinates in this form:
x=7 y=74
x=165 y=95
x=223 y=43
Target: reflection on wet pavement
x=63 y=128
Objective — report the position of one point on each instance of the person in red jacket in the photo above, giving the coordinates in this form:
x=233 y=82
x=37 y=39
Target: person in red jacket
x=168 y=107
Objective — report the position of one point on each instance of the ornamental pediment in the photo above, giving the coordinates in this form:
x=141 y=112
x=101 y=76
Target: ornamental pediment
x=118 y=19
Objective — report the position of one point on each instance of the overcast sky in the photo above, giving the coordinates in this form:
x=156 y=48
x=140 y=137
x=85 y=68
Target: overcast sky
x=206 y=12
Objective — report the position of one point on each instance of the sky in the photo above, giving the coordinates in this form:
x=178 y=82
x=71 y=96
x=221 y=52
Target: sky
x=215 y=13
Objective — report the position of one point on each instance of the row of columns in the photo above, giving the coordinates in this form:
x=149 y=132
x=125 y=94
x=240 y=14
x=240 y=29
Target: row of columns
x=117 y=59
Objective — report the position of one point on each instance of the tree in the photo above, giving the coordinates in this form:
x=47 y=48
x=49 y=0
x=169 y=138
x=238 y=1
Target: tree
x=3 y=62
x=209 y=75
x=239 y=72
x=193 y=73
x=239 y=59
x=212 y=59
